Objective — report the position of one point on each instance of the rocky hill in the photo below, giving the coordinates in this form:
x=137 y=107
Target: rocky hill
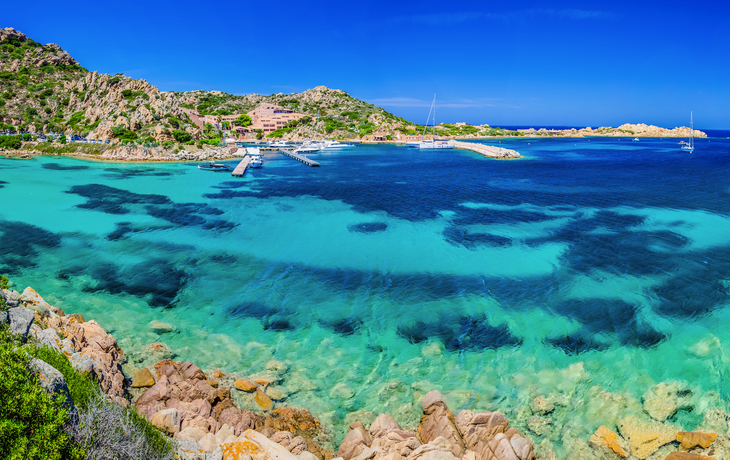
x=340 y=114
x=43 y=89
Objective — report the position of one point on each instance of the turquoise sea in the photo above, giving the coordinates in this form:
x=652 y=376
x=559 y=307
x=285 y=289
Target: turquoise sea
x=591 y=266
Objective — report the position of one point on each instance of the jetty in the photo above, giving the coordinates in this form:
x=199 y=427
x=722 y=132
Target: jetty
x=240 y=170
x=299 y=158
x=487 y=150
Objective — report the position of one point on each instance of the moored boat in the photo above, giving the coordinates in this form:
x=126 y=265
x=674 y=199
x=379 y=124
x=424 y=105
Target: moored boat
x=332 y=145
x=213 y=166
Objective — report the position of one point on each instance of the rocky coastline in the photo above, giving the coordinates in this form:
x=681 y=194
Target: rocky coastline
x=201 y=410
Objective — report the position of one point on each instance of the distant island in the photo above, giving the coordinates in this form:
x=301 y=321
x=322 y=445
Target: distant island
x=43 y=90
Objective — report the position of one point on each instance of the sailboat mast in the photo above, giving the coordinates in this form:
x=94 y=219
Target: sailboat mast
x=433 y=132
x=691 y=131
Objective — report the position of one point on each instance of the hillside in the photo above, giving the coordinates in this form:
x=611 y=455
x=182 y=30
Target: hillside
x=43 y=89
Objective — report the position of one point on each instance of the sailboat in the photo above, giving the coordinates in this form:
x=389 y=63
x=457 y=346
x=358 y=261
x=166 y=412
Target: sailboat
x=690 y=146
x=433 y=143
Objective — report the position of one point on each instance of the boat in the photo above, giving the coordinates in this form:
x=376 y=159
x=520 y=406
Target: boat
x=256 y=161
x=636 y=139
x=331 y=145
x=279 y=144
x=433 y=144
x=213 y=166
x=690 y=145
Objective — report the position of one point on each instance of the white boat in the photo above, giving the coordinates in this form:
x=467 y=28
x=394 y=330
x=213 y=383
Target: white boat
x=279 y=144
x=690 y=146
x=331 y=145
x=256 y=162
x=636 y=139
x=434 y=144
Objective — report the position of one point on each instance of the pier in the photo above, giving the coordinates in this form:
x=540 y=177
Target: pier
x=242 y=167
x=300 y=158
x=487 y=150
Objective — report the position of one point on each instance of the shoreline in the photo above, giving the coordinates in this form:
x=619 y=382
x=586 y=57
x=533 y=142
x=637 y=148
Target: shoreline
x=151 y=390
x=212 y=154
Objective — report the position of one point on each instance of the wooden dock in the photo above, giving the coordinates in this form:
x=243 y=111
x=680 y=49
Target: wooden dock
x=487 y=150
x=300 y=158
x=242 y=167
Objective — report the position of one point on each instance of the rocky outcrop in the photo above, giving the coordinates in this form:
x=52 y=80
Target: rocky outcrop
x=437 y=420
x=94 y=351
x=441 y=436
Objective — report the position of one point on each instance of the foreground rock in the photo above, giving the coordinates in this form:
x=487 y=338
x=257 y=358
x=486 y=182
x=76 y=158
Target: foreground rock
x=441 y=436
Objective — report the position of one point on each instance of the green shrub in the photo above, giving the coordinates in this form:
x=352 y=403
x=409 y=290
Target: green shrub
x=181 y=136
x=4 y=282
x=10 y=142
x=62 y=139
x=31 y=420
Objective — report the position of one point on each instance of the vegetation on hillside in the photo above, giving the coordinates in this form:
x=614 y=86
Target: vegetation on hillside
x=37 y=425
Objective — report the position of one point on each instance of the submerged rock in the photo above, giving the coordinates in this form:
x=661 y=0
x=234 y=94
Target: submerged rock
x=665 y=399
x=645 y=438
x=245 y=385
x=158 y=327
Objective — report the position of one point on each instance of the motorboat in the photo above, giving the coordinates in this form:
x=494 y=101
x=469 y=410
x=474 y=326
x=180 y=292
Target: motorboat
x=331 y=145
x=636 y=139
x=256 y=161
x=279 y=144
x=213 y=166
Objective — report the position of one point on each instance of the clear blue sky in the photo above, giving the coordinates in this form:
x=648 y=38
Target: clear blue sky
x=508 y=63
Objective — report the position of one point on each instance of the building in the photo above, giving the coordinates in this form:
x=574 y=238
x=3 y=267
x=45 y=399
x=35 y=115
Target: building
x=270 y=117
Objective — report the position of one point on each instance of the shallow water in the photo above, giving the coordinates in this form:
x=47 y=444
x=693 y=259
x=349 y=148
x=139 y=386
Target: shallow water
x=592 y=264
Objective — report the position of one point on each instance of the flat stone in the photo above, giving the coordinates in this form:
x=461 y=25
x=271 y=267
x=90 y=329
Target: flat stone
x=665 y=399
x=218 y=374
x=645 y=438
x=696 y=438
x=342 y=391
x=143 y=378
x=245 y=385
x=277 y=393
x=262 y=400
x=604 y=437
x=158 y=327
x=20 y=320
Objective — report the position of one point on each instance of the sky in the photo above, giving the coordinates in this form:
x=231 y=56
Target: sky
x=519 y=63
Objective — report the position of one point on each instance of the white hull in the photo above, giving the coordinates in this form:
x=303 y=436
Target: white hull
x=435 y=145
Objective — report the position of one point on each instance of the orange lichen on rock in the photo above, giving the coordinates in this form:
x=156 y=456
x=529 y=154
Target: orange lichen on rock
x=606 y=437
x=687 y=456
x=239 y=450
x=690 y=439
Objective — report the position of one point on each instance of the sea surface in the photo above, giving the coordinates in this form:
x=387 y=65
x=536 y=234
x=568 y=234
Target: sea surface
x=591 y=270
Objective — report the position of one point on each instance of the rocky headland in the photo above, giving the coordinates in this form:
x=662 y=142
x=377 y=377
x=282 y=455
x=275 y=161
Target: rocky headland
x=200 y=409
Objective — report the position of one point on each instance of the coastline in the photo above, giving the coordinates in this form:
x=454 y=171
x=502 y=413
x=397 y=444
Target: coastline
x=169 y=394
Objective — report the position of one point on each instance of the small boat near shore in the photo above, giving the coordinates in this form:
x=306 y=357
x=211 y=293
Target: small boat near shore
x=690 y=145
x=332 y=145
x=213 y=166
